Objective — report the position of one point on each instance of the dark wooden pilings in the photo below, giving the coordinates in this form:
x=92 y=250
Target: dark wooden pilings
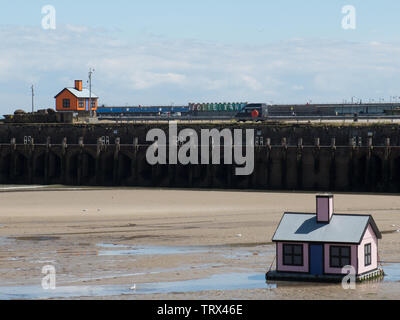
x=13 y=160
x=368 y=165
x=332 y=165
x=284 y=163
x=98 y=169
x=386 y=163
x=299 y=164
x=287 y=165
x=47 y=163
x=30 y=147
x=117 y=148
x=64 y=147
x=268 y=163
x=316 y=153
x=80 y=168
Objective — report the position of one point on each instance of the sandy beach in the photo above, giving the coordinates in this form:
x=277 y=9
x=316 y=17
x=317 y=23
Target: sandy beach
x=169 y=244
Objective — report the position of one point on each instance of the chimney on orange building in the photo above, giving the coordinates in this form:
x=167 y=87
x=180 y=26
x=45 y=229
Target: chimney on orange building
x=78 y=85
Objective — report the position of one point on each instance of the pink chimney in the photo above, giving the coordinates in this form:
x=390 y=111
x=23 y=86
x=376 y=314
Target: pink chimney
x=324 y=207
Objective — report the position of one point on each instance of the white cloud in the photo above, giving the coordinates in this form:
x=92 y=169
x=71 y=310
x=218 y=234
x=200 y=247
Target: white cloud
x=252 y=83
x=297 y=87
x=163 y=70
x=78 y=29
x=147 y=80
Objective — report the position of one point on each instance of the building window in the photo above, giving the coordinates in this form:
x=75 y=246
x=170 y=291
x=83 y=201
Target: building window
x=293 y=254
x=93 y=103
x=66 y=103
x=81 y=104
x=339 y=256
x=367 y=254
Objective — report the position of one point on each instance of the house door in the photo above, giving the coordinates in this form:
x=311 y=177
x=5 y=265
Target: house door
x=316 y=259
x=87 y=105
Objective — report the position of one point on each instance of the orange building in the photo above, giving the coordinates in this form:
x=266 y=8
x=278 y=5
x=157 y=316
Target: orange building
x=75 y=99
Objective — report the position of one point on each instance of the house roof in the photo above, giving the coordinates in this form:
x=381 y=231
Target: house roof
x=79 y=94
x=343 y=228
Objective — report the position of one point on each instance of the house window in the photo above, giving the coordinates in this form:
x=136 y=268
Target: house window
x=367 y=254
x=93 y=103
x=66 y=103
x=81 y=104
x=293 y=254
x=339 y=256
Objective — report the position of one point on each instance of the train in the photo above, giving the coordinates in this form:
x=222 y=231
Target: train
x=247 y=111
x=142 y=111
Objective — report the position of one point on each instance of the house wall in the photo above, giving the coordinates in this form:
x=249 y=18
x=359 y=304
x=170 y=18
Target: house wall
x=66 y=95
x=279 y=259
x=79 y=108
x=369 y=237
x=86 y=104
x=74 y=102
x=353 y=258
x=95 y=104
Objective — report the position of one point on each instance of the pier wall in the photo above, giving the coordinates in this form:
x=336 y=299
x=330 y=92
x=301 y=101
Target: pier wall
x=359 y=158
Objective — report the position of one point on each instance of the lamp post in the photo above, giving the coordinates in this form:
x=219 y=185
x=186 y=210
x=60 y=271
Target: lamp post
x=90 y=92
x=33 y=94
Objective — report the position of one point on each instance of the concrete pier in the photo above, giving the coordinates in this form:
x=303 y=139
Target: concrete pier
x=296 y=157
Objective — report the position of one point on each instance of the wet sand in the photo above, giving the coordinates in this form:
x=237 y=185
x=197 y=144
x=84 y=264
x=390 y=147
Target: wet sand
x=168 y=244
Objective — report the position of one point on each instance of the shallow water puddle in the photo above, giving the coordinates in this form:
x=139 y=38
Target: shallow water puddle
x=19 y=187
x=392 y=272
x=228 y=281
x=35 y=238
x=159 y=271
x=37 y=292
x=229 y=252
x=121 y=250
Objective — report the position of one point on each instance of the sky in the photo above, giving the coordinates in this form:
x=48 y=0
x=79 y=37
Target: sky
x=159 y=52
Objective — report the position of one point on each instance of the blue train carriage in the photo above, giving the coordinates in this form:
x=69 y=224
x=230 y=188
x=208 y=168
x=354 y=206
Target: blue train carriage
x=142 y=111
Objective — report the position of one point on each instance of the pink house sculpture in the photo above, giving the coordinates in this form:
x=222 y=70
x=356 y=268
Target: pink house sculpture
x=318 y=246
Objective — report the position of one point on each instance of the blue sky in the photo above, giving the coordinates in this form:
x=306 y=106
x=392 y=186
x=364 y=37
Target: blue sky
x=163 y=52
